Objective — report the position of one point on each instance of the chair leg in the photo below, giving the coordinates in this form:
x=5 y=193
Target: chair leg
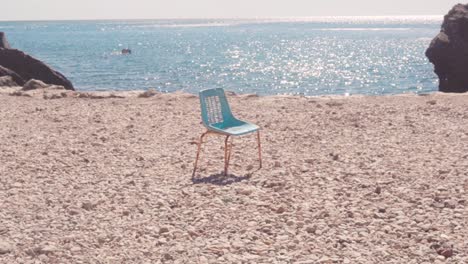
x=227 y=154
x=259 y=148
x=231 y=144
x=198 y=153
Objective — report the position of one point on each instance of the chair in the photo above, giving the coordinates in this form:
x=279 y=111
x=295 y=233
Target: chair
x=219 y=120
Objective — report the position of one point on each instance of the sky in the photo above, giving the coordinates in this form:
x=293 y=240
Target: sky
x=149 y=9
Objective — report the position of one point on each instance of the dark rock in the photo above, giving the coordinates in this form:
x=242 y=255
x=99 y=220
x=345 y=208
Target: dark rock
x=22 y=67
x=378 y=190
x=448 y=51
x=450 y=204
x=3 y=42
x=7 y=81
x=448 y=252
x=16 y=78
x=167 y=257
x=280 y=210
x=30 y=68
x=163 y=230
x=445 y=251
x=334 y=156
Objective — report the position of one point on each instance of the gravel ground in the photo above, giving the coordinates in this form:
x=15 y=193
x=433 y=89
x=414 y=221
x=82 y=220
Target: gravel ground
x=96 y=178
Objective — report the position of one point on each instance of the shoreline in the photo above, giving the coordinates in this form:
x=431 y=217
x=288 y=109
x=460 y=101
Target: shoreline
x=102 y=94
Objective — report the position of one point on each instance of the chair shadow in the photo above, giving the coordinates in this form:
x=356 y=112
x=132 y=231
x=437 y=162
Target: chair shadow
x=221 y=179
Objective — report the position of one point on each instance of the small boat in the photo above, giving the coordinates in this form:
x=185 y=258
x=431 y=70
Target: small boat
x=126 y=51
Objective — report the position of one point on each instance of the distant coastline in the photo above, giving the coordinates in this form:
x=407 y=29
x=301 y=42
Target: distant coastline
x=275 y=19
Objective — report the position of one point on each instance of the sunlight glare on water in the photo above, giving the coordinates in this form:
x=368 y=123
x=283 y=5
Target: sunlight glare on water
x=310 y=56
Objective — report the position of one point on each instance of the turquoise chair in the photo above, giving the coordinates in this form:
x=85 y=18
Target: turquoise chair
x=218 y=119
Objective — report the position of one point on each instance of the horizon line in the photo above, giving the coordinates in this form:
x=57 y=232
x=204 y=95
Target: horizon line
x=226 y=18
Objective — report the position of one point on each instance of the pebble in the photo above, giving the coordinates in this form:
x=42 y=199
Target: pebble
x=280 y=210
x=447 y=252
x=75 y=249
x=237 y=244
x=5 y=247
x=202 y=260
x=450 y=204
x=87 y=206
x=168 y=256
x=43 y=258
x=46 y=249
x=335 y=157
x=252 y=223
x=17 y=185
x=378 y=190
x=244 y=191
x=73 y=211
x=163 y=230
x=311 y=229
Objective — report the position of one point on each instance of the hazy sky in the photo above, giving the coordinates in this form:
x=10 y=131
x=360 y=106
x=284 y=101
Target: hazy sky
x=127 y=9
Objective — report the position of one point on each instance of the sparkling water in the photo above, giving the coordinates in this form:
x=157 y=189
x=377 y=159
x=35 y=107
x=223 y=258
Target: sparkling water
x=309 y=56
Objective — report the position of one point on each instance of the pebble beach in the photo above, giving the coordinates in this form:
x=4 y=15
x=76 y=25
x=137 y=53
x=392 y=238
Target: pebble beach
x=105 y=177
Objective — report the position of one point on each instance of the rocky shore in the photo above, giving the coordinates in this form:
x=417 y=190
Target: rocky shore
x=21 y=68
x=106 y=178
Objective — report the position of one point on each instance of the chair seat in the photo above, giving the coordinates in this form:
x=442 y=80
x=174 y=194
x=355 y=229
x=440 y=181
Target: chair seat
x=236 y=130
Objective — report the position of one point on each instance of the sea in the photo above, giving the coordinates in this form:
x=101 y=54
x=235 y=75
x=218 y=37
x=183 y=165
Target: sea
x=295 y=56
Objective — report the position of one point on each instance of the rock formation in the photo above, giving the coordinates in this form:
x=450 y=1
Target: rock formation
x=3 y=42
x=448 y=51
x=30 y=68
x=22 y=67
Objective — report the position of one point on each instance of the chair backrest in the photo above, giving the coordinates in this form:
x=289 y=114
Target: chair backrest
x=215 y=108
